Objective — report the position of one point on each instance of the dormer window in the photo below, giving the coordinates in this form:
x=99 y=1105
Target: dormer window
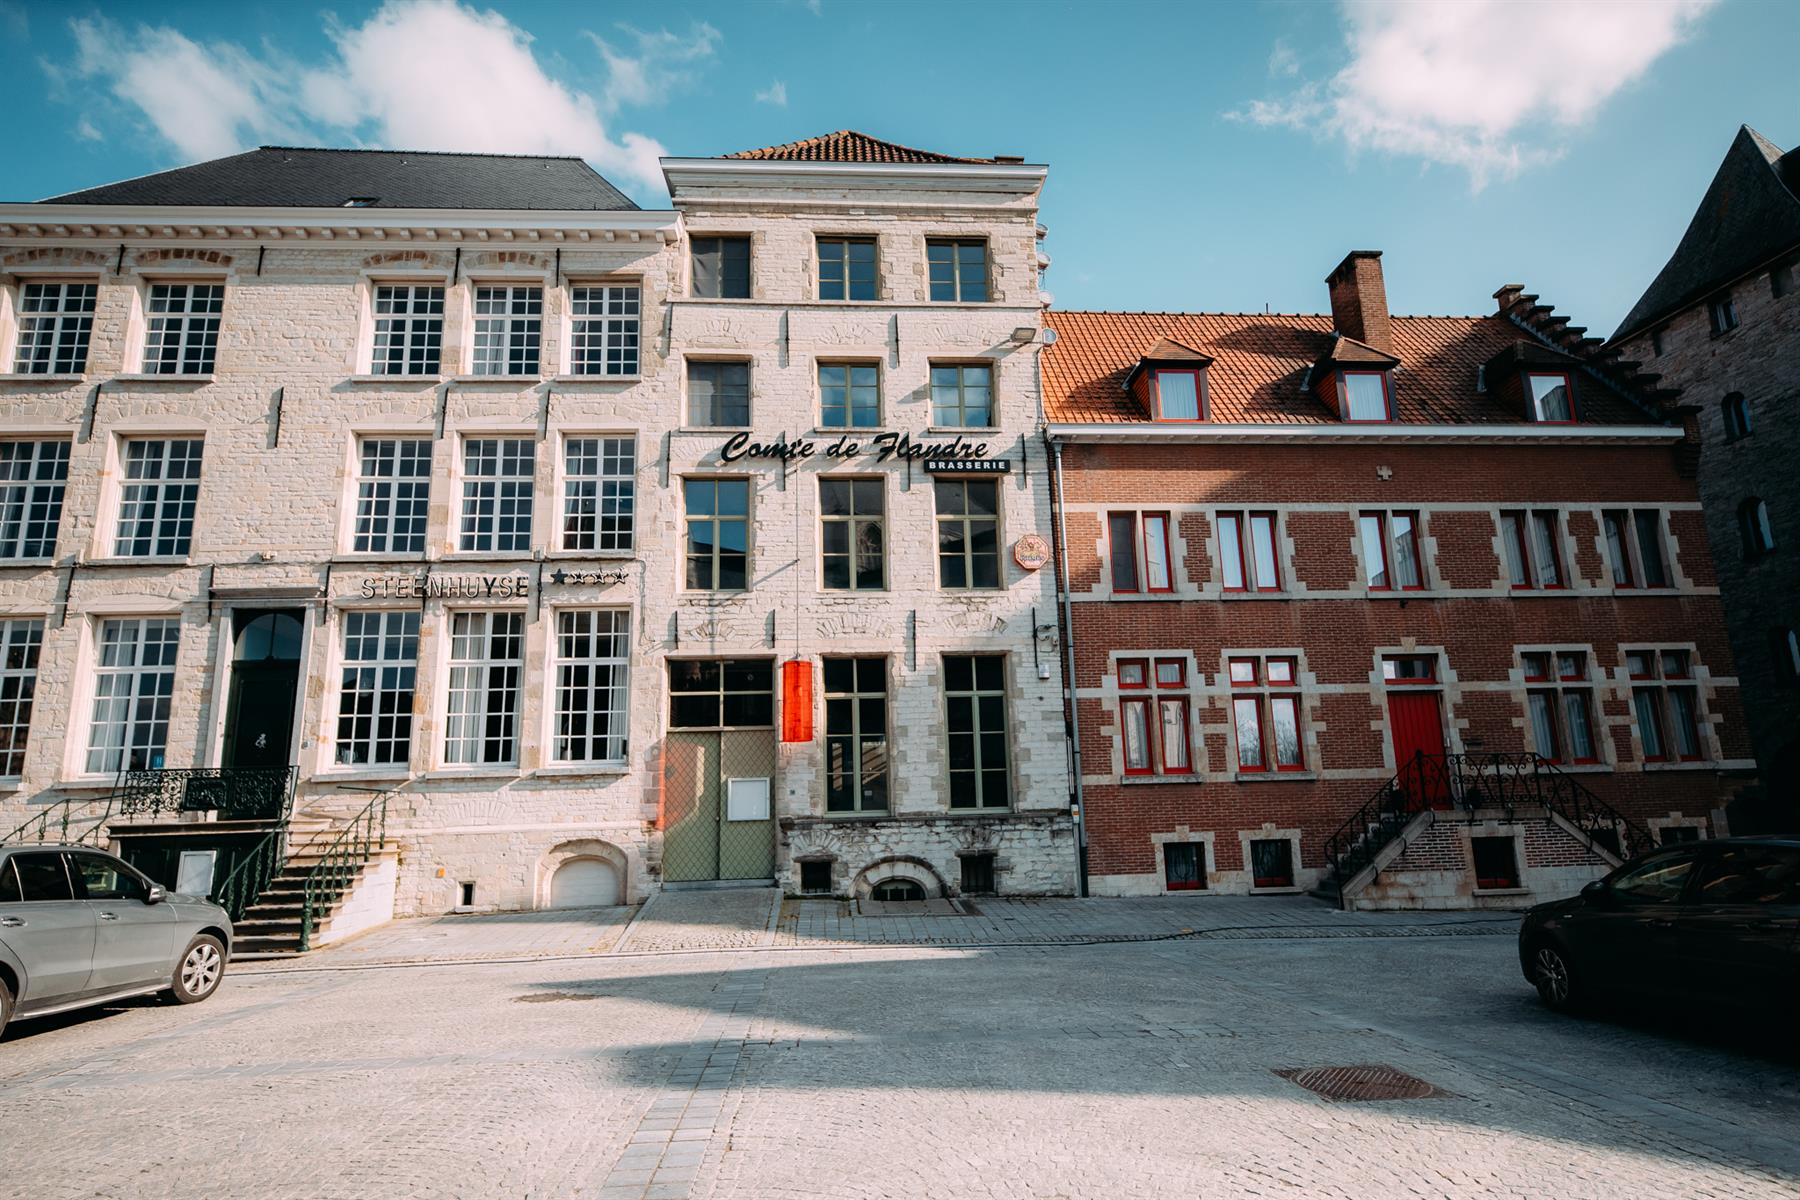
x=1179 y=395
x=1170 y=382
x=1552 y=397
x=1363 y=396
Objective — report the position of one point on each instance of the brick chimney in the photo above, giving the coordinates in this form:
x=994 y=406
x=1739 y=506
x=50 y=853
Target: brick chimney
x=1359 y=300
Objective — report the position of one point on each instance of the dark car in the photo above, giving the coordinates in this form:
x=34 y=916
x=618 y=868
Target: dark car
x=1716 y=921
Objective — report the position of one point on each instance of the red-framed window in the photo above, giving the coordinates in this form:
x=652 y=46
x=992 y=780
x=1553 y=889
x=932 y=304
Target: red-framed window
x=1560 y=705
x=1265 y=717
x=1390 y=547
x=1365 y=396
x=1665 y=704
x=1153 y=717
x=1552 y=397
x=1271 y=863
x=1184 y=866
x=1634 y=548
x=1179 y=394
x=1139 y=551
x=1496 y=862
x=1409 y=669
x=1532 y=540
x=1249 y=551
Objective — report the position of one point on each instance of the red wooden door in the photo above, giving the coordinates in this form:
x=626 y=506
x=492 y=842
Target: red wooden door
x=1418 y=730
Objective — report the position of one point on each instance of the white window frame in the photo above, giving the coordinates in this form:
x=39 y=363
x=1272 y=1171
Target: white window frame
x=410 y=323
x=114 y=759
x=620 y=332
x=465 y=482
x=360 y=480
x=484 y=683
x=333 y=743
x=620 y=713
x=19 y=496
x=195 y=327
x=23 y=637
x=623 y=499
x=159 y=487
x=510 y=325
x=67 y=326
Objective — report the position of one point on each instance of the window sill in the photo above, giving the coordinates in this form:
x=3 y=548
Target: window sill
x=953 y=430
x=1276 y=776
x=396 y=379
x=714 y=430
x=30 y=377
x=591 y=555
x=11 y=783
x=1700 y=765
x=26 y=562
x=1505 y=891
x=598 y=378
x=393 y=774
x=86 y=783
x=1290 y=890
x=1236 y=596
x=501 y=380
x=171 y=377
x=146 y=560
x=375 y=558
x=579 y=770
x=496 y=771
x=1598 y=768
x=1189 y=779
x=524 y=558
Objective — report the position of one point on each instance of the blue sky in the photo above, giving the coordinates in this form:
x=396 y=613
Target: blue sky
x=1202 y=156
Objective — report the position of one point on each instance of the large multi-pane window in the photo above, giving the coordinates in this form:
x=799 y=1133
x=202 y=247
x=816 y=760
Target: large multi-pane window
x=711 y=693
x=962 y=395
x=968 y=527
x=509 y=324
x=156 y=501
x=718 y=394
x=854 y=534
x=849 y=395
x=375 y=693
x=599 y=493
x=1265 y=713
x=32 y=478
x=958 y=270
x=603 y=329
x=409 y=329
x=975 y=711
x=134 y=677
x=718 y=533
x=593 y=654
x=182 y=329
x=1634 y=547
x=393 y=491
x=55 y=321
x=1531 y=542
x=20 y=641
x=856 y=746
x=1248 y=560
x=721 y=267
x=1390 y=548
x=487 y=658
x=1561 y=705
x=846 y=268
x=1153 y=716
x=1666 y=703
x=497 y=493
x=1138 y=547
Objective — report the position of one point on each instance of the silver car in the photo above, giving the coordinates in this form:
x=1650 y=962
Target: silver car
x=80 y=927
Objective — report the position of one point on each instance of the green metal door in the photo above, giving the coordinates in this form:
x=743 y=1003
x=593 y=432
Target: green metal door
x=703 y=837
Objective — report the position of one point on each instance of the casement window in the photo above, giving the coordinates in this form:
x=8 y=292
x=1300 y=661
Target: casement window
x=1496 y=862
x=856 y=740
x=599 y=494
x=1365 y=396
x=718 y=534
x=1248 y=561
x=393 y=494
x=487 y=657
x=20 y=642
x=1179 y=395
x=1722 y=312
x=975 y=708
x=509 y=328
x=849 y=396
x=968 y=528
x=1265 y=713
x=409 y=329
x=1659 y=340
x=157 y=499
x=1552 y=397
x=721 y=267
x=846 y=268
x=182 y=328
x=732 y=693
x=1390 y=550
x=1532 y=542
x=498 y=476
x=134 y=678
x=962 y=395
x=1634 y=548
x=853 y=534
x=1734 y=410
x=1560 y=702
x=1409 y=669
x=55 y=322
x=603 y=329
x=718 y=395
x=958 y=270
x=1755 y=529
x=1666 y=703
x=593 y=659
x=33 y=476
x=1153 y=716
x=1784 y=651
x=1184 y=866
x=1271 y=863
x=1138 y=547
x=375 y=688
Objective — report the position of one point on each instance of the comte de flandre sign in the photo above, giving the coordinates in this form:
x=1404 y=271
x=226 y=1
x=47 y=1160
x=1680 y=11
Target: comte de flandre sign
x=958 y=456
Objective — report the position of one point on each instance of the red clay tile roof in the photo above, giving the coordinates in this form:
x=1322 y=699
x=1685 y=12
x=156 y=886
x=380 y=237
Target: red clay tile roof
x=849 y=146
x=1260 y=363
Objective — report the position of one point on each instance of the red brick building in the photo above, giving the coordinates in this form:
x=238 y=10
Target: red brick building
x=1419 y=605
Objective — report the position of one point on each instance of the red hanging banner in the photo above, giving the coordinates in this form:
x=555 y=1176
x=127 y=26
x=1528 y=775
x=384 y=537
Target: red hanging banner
x=796 y=701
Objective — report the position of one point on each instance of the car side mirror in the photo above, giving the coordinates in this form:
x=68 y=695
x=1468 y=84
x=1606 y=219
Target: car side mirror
x=1595 y=891
x=157 y=894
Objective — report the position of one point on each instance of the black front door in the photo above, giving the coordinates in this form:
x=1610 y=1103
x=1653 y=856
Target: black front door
x=265 y=679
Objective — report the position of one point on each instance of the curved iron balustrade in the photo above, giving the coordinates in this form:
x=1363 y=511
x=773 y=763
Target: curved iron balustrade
x=342 y=863
x=235 y=793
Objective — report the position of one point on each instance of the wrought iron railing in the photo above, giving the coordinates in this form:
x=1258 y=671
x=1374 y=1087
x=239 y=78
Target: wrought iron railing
x=341 y=864
x=235 y=793
x=62 y=823
x=252 y=874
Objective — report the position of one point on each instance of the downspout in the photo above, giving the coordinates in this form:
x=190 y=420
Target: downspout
x=1062 y=584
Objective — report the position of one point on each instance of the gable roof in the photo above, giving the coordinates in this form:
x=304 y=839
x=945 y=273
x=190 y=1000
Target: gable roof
x=293 y=177
x=1749 y=215
x=848 y=146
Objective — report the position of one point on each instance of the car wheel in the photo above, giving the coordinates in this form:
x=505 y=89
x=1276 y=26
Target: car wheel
x=198 y=972
x=6 y=1005
x=1554 y=977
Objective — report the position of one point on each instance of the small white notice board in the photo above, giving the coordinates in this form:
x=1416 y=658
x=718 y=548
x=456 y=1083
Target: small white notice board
x=194 y=877
x=746 y=799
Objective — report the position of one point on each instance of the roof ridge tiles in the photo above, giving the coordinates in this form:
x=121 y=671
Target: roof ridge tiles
x=435 y=153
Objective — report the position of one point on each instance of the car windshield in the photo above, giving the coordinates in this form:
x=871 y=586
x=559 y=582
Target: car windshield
x=1657 y=881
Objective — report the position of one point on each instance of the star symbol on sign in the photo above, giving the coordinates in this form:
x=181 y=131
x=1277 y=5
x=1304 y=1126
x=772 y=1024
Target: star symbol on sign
x=558 y=576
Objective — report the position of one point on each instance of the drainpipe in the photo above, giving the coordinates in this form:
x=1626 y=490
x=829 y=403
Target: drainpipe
x=1062 y=583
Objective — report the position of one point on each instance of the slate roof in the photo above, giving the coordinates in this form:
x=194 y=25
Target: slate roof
x=1749 y=215
x=290 y=177
x=1260 y=366
x=848 y=146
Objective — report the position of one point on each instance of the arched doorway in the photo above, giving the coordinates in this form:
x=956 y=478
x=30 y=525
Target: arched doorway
x=265 y=680
x=585 y=883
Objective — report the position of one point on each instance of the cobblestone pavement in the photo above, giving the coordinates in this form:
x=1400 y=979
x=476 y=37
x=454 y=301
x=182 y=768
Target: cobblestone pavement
x=1136 y=1069
x=476 y=936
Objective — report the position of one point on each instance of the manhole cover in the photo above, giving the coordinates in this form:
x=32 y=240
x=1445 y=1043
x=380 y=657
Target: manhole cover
x=1369 y=1081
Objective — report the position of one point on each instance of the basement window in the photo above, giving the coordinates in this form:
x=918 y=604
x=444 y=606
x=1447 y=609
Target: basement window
x=1184 y=866
x=1272 y=863
x=1496 y=863
x=897 y=890
x=468 y=895
x=815 y=877
x=978 y=875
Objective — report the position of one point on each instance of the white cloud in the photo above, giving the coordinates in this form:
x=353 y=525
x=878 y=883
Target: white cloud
x=1486 y=85
x=775 y=93
x=87 y=131
x=657 y=64
x=1283 y=62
